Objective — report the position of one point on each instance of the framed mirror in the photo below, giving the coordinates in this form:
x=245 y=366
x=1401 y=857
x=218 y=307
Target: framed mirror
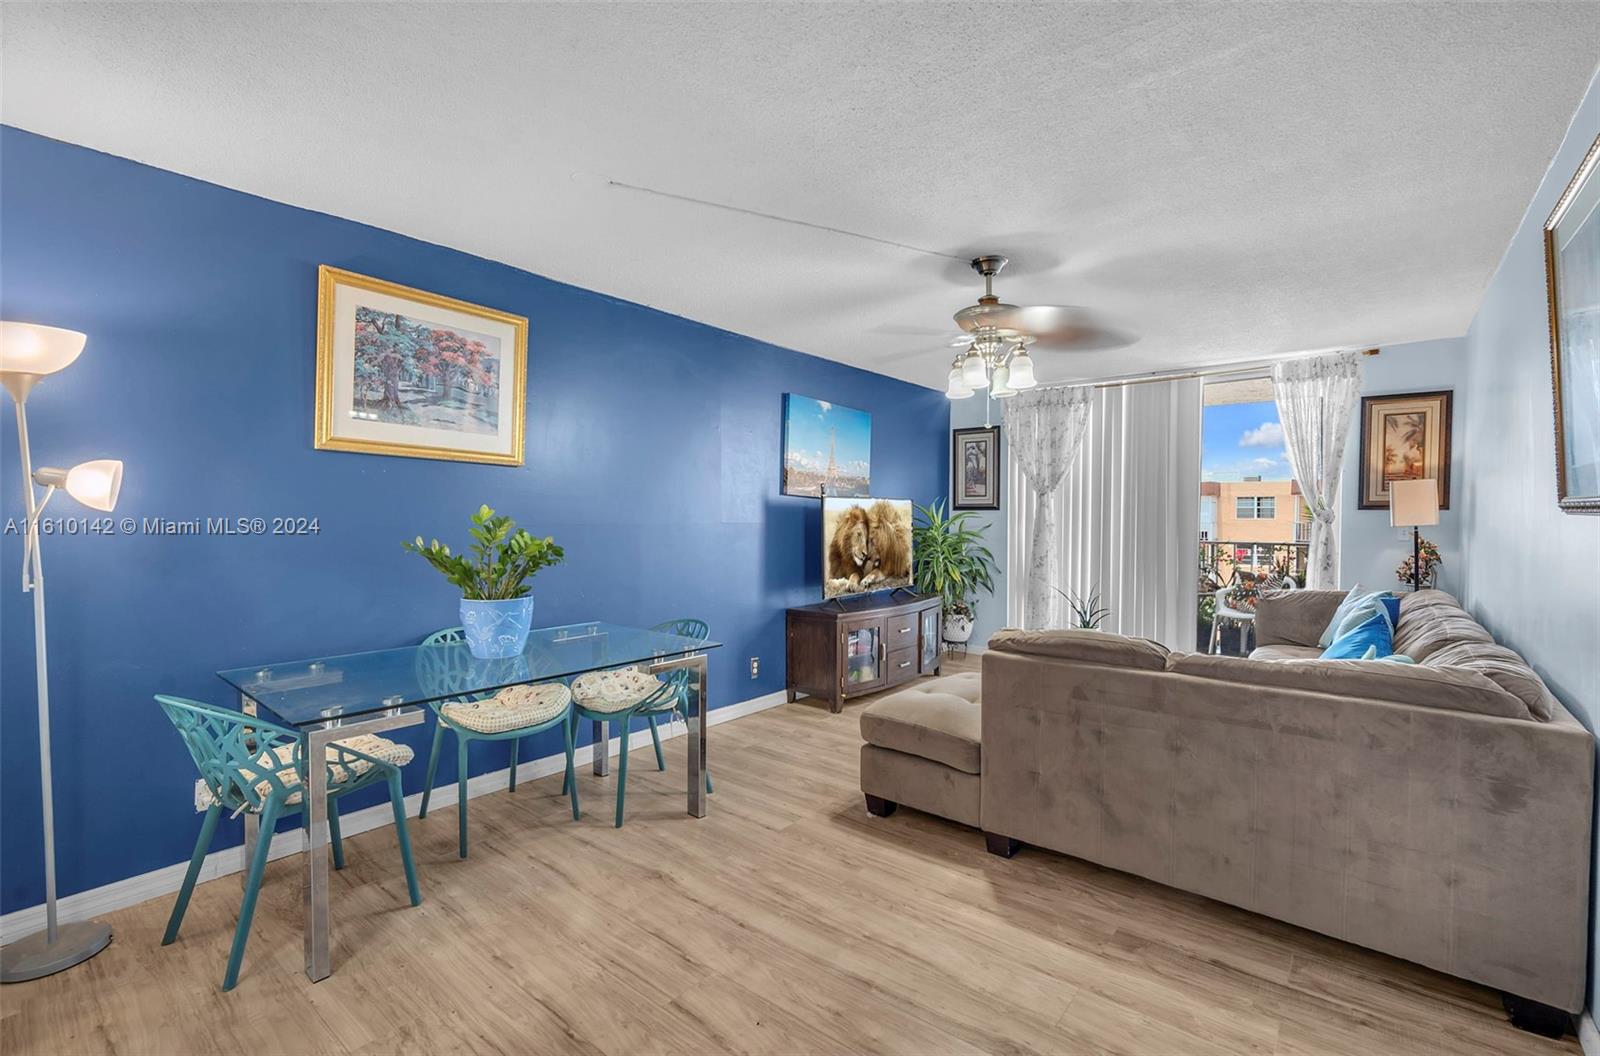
x=1572 y=280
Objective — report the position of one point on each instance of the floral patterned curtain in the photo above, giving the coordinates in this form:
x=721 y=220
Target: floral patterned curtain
x=1046 y=429
x=1317 y=397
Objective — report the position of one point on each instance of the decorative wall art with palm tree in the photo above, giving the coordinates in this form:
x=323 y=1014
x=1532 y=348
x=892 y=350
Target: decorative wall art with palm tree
x=1404 y=436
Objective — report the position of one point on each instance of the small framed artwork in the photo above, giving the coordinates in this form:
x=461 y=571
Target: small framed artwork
x=406 y=372
x=1404 y=437
x=1572 y=281
x=975 y=468
x=826 y=447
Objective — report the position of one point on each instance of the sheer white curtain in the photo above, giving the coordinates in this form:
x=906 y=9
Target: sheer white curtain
x=1316 y=399
x=1129 y=512
x=1044 y=428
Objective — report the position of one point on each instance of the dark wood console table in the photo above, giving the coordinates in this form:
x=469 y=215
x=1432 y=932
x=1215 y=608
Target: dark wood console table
x=845 y=648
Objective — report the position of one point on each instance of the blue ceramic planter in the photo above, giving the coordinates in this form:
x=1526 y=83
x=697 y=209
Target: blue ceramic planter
x=496 y=629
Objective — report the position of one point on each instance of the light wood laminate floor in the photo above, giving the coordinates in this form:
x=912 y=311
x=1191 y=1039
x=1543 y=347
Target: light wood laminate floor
x=787 y=921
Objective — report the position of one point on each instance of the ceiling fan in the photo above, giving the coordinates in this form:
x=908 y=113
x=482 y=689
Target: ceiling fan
x=996 y=337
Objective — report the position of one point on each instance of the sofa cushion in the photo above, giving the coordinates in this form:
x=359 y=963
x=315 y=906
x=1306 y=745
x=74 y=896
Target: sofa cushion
x=1424 y=631
x=1295 y=617
x=1446 y=688
x=1416 y=600
x=940 y=720
x=1286 y=652
x=1504 y=668
x=1091 y=647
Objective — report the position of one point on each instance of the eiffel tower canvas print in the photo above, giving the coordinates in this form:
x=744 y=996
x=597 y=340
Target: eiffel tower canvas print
x=825 y=446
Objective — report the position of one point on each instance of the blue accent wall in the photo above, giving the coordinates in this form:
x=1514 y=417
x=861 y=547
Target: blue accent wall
x=653 y=456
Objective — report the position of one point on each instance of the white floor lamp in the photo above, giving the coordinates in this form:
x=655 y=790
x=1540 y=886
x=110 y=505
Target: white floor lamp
x=27 y=353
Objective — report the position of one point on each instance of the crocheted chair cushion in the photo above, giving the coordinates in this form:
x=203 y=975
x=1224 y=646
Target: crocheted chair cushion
x=515 y=708
x=342 y=772
x=613 y=691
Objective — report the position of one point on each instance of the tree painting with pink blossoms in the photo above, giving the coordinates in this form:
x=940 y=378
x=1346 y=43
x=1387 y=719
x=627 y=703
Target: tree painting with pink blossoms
x=413 y=373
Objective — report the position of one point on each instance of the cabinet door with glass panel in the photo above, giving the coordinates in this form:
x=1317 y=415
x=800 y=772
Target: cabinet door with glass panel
x=930 y=641
x=863 y=655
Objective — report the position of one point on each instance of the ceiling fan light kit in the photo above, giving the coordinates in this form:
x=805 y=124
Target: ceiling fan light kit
x=995 y=354
x=997 y=357
x=956 y=388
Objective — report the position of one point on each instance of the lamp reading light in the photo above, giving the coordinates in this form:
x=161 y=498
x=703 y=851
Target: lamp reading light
x=95 y=484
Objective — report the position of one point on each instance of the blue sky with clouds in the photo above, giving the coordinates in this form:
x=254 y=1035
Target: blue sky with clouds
x=1243 y=440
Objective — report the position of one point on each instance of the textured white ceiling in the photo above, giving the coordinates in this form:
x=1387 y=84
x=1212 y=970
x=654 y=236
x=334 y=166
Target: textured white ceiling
x=1227 y=181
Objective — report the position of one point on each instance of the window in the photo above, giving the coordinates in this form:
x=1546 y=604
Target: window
x=1255 y=507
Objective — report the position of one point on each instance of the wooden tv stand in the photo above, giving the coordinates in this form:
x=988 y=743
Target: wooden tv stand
x=853 y=646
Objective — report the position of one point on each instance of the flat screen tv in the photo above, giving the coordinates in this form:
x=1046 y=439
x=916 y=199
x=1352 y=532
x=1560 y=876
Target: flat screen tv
x=866 y=545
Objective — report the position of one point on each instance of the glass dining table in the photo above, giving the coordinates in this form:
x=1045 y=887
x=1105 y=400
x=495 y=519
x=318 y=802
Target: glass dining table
x=333 y=697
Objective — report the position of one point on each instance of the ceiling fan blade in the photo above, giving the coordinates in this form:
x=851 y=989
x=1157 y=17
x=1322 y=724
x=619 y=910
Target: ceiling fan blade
x=1062 y=327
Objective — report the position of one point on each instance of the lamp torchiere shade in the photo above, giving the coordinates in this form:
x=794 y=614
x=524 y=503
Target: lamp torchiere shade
x=29 y=348
x=1413 y=503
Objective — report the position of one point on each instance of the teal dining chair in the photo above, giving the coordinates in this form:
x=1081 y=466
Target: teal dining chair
x=509 y=715
x=619 y=696
x=251 y=765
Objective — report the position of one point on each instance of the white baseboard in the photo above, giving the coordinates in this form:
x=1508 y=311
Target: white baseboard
x=1588 y=1034
x=165 y=881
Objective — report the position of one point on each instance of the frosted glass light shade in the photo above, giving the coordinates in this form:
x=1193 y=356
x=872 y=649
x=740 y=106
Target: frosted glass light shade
x=1020 y=375
x=96 y=484
x=28 y=348
x=973 y=372
x=957 y=389
x=1413 y=503
x=1000 y=387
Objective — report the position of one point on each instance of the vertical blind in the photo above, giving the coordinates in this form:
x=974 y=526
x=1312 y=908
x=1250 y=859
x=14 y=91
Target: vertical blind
x=1129 y=514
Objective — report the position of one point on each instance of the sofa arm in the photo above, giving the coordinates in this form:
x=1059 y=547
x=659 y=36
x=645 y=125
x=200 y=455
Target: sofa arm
x=1295 y=617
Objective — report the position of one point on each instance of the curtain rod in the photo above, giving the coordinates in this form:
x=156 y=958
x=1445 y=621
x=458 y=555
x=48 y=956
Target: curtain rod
x=1215 y=372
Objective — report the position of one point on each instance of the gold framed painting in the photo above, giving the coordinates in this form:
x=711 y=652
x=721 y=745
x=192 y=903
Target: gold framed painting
x=1572 y=284
x=1405 y=436
x=410 y=373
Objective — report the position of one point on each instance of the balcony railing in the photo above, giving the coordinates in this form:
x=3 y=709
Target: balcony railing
x=1223 y=563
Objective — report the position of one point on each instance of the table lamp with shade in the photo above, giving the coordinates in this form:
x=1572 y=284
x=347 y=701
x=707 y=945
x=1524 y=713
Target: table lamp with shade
x=1414 y=504
x=28 y=353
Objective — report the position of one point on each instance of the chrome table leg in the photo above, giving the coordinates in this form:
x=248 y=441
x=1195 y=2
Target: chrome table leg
x=314 y=815
x=602 y=749
x=251 y=821
x=697 y=729
x=314 y=827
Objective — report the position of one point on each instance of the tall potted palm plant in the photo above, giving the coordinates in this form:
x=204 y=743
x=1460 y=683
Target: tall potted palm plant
x=951 y=561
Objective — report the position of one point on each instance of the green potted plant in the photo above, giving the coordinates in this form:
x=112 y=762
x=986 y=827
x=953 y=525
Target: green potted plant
x=951 y=561
x=496 y=608
x=1087 y=612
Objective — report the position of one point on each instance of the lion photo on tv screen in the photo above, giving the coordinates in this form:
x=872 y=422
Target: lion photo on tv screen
x=869 y=548
x=847 y=550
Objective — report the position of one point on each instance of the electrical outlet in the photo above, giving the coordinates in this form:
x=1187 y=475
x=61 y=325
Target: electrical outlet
x=755 y=666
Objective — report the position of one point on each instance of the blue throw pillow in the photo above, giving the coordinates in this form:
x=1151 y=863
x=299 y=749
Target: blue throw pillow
x=1374 y=633
x=1357 y=606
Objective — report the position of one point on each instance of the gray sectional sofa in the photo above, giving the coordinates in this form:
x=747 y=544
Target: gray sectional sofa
x=1439 y=812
